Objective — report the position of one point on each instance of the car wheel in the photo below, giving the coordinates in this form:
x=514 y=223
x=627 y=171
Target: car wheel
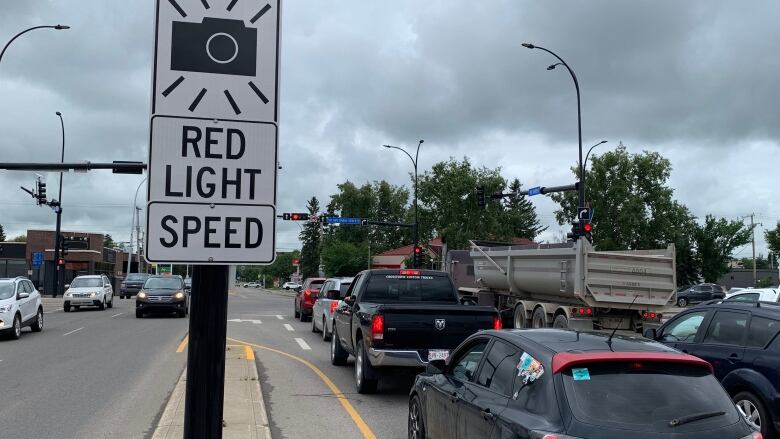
x=363 y=370
x=138 y=314
x=181 y=314
x=102 y=305
x=313 y=325
x=296 y=314
x=38 y=325
x=560 y=322
x=66 y=307
x=16 y=331
x=325 y=334
x=682 y=302
x=111 y=302
x=416 y=423
x=338 y=356
x=539 y=318
x=77 y=307
x=752 y=409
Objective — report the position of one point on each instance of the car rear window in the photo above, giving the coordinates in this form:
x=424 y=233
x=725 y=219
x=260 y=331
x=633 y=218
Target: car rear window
x=646 y=396
x=409 y=288
x=343 y=288
x=316 y=284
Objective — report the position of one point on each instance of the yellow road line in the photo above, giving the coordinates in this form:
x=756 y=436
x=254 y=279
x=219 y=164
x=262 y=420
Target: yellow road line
x=359 y=422
x=183 y=344
x=249 y=353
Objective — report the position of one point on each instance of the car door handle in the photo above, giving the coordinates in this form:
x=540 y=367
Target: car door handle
x=454 y=397
x=487 y=415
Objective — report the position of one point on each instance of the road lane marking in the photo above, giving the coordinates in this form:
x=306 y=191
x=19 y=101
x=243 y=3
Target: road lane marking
x=254 y=321
x=288 y=327
x=52 y=312
x=278 y=316
x=249 y=353
x=71 y=332
x=359 y=422
x=183 y=344
x=305 y=346
x=117 y=315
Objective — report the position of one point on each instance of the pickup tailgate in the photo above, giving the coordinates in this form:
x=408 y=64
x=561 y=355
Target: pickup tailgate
x=432 y=326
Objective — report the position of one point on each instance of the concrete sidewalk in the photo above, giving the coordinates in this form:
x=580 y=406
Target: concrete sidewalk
x=244 y=413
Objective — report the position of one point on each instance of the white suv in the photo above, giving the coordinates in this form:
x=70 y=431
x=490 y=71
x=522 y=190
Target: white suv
x=20 y=305
x=92 y=290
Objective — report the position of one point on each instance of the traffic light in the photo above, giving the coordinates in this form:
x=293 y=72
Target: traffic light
x=63 y=246
x=61 y=261
x=295 y=216
x=576 y=231
x=481 y=196
x=41 y=192
x=417 y=259
x=587 y=230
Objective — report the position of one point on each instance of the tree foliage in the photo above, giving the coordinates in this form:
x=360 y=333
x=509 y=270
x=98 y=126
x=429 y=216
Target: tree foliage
x=342 y=258
x=716 y=240
x=2 y=233
x=310 y=237
x=282 y=267
x=772 y=238
x=108 y=241
x=20 y=238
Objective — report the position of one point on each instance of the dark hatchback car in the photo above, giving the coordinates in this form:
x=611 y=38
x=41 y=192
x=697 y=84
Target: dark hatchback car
x=563 y=384
x=132 y=284
x=740 y=340
x=700 y=293
x=162 y=294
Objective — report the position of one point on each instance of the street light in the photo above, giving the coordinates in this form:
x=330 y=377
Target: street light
x=132 y=226
x=579 y=113
x=59 y=214
x=584 y=165
x=414 y=162
x=57 y=27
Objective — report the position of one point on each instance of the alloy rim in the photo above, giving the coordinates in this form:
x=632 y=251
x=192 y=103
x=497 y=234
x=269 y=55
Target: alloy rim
x=414 y=425
x=333 y=347
x=324 y=330
x=40 y=319
x=17 y=327
x=750 y=413
x=359 y=365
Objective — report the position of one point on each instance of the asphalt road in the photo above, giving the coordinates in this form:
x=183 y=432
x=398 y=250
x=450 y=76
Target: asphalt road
x=300 y=403
x=89 y=374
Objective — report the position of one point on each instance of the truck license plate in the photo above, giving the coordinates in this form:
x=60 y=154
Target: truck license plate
x=438 y=355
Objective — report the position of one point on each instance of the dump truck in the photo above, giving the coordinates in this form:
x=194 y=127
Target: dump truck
x=572 y=285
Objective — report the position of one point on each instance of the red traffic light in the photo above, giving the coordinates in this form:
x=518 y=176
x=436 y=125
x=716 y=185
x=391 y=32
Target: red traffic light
x=417 y=249
x=60 y=261
x=295 y=217
x=587 y=227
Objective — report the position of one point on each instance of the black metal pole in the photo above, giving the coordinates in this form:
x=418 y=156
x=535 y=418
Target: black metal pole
x=57 y=269
x=58 y=27
x=204 y=399
x=58 y=283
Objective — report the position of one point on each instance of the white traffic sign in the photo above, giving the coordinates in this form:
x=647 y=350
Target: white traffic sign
x=212 y=161
x=210 y=233
x=217 y=59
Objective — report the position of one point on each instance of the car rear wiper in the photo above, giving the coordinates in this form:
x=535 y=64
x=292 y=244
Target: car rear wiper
x=691 y=418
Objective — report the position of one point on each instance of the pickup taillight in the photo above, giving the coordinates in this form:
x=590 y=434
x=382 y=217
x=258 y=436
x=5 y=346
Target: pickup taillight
x=378 y=327
x=497 y=323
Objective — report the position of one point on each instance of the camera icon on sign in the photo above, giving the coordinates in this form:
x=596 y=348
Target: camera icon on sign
x=216 y=45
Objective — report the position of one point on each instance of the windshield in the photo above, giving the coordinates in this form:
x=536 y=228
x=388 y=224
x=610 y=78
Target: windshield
x=6 y=290
x=163 y=283
x=409 y=288
x=316 y=284
x=86 y=282
x=137 y=277
x=343 y=288
x=646 y=396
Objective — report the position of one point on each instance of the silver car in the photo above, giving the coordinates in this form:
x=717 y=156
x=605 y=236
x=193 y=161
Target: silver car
x=20 y=306
x=329 y=298
x=91 y=290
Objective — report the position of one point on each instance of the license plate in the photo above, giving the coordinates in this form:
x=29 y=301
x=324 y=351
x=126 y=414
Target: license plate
x=438 y=355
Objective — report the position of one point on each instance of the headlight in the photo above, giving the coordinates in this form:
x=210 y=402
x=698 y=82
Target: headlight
x=6 y=308
x=140 y=295
x=178 y=296
x=92 y=294
x=67 y=293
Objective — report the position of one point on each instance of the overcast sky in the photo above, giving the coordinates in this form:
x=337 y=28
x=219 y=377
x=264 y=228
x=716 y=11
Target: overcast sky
x=696 y=81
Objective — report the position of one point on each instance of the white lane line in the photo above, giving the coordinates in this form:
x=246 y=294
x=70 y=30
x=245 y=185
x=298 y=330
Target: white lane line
x=288 y=327
x=303 y=344
x=71 y=332
x=117 y=315
x=52 y=312
x=279 y=317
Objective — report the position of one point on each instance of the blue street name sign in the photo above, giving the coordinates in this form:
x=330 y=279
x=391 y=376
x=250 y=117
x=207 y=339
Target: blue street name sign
x=534 y=191
x=37 y=259
x=343 y=220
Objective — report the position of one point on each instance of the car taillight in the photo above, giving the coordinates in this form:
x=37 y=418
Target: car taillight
x=333 y=306
x=378 y=327
x=754 y=436
x=307 y=293
x=497 y=323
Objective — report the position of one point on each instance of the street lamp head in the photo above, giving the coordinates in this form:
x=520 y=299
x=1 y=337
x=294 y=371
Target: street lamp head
x=387 y=146
x=553 y=66
x=61 y=27
x=529 y=45
x=58 y=113
x=603 y=141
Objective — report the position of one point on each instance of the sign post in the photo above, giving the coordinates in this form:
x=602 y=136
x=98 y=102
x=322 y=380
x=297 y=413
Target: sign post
x=211 y=187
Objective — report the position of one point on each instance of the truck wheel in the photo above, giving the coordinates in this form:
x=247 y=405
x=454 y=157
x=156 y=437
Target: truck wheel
x=520 y=321
x=364 y=369
x=560 y=322
x=539 y=319
x=338 y=356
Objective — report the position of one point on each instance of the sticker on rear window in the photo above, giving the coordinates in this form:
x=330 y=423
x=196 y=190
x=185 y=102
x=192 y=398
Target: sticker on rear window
x=581 y=374
x=529 y=368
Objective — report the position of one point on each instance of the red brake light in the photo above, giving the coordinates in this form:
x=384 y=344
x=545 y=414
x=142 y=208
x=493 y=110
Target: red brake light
x=333 y=305
x=588 y=311
x=497 y=323
x=378 y=327
x=410 y=272
x=307 y=293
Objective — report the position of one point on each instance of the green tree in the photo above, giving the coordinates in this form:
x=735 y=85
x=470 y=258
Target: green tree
x=20 y=238
x=282 y=267
x=761 y=262
x=108 y=241
x=772 y=238
x=341 y=258
x=716 y=240
x=524 y=222
x=2 y=233
x=248 y=272
x=310 y=237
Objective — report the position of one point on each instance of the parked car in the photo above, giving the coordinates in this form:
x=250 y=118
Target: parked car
x=188 y=284
x=306 y=296
x=162 y=294
x=402 y=318
x=20 y=306
x=291 y=286
x=755 y=295
x=132 y=284
x=91 y=290
x=564 y=384
x=331 y=294
x=700 y=293
x=740 y=340
x=252 y=285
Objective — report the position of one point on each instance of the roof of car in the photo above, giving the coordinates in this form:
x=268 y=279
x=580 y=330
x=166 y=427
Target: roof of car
x=175 y=276
x=765 y=309
x=397 y=270
x=89 y=275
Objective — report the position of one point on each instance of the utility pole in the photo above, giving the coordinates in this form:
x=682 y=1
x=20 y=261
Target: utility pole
x=138 y=236
x=753 y=232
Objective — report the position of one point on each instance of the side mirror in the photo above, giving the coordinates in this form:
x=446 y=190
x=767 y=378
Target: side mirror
x=435 y=366
x=24 y=295
x=349 y=300
x=67 y=286
x=334 y=295
x=650 y=333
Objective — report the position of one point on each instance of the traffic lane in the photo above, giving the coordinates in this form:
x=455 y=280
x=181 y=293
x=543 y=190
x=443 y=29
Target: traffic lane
x=111 y=376
x=385 y=412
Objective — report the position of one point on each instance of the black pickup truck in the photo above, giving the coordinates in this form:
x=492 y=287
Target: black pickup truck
x=402 y=318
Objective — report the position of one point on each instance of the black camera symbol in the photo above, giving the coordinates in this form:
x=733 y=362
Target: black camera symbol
x=216 y=45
